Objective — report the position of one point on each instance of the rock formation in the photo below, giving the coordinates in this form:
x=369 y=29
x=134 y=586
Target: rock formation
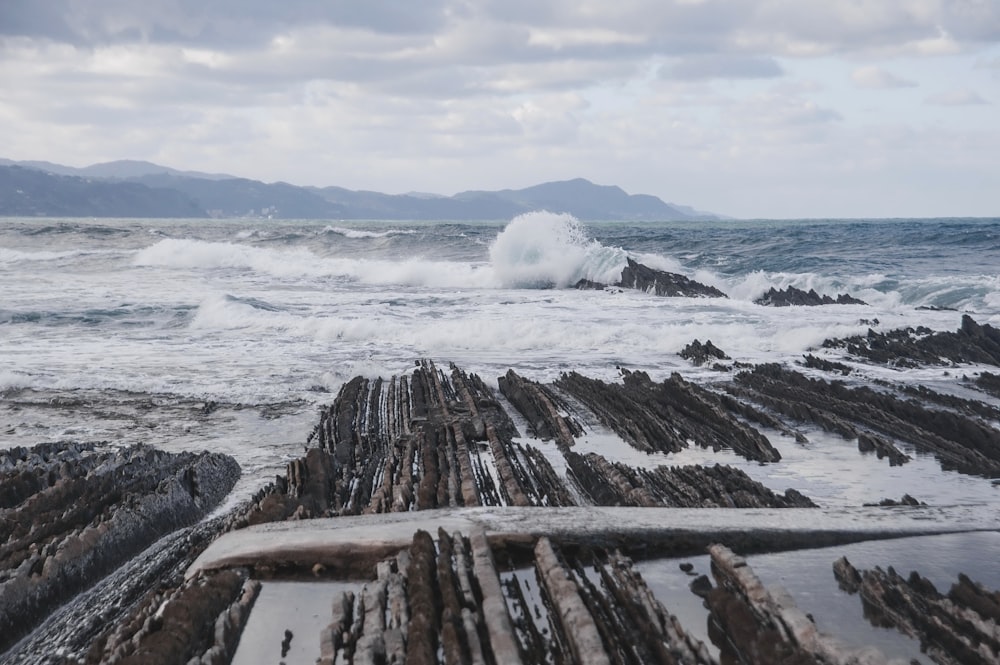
x=911 y=347
x=962 y=628
x=793 y=296
x=657 y=282
x=72 y=514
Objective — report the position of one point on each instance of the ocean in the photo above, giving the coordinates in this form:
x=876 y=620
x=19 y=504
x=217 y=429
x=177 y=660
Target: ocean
x=229 y=335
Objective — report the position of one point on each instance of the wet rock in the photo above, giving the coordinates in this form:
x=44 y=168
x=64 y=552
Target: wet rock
x=699 y=353
x=960 y=628
x=793 y=296
x=589 y=285
x=966 y=444
x=81 y=520
x=754 y=624
x=637 y=276
x=665 y=416
x=989 y=383
x=911 y=347
x=701 y=586
x=826 y=365
x=906 y=500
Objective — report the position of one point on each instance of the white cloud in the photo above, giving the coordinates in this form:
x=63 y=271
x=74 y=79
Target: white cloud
x=876 y=78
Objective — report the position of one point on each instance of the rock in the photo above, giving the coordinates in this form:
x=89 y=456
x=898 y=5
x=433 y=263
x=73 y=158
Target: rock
x=911 y=347
x=793 y=296
x=687 y=567
x=699 y=353
x=658 y=282
x=701 y=586
x=92 y=517
x=960 y=442
x=958 y=629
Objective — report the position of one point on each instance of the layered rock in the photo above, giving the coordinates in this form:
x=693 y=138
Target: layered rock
x=754 y=624
x=911 y=347
x=961 y=442
x=793 y=296
x=72 y=514
x=656 y=282
x=962 y=628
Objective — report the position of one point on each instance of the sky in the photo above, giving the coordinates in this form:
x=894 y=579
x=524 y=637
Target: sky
x=747 y=108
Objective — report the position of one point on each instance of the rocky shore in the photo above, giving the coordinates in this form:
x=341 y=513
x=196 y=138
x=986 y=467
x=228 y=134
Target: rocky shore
x=478 y=530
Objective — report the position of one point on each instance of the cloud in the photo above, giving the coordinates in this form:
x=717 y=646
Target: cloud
x=722 y=67
x=956 y=98
x=876 y=78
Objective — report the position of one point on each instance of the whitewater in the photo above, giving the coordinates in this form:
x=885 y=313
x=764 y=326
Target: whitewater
x=230 y=334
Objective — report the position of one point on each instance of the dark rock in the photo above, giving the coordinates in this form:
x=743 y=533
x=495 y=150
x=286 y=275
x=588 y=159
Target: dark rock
x=81 y=524
x=910 y=347
x=793 y=296
x=826 y=365
x=907 y=500
x=687 y=567
x=701 y=586
x=588 y=285
x=959 y=442
x=914 y=607
x=989 y=383
x=699 y=353
x=637 y=276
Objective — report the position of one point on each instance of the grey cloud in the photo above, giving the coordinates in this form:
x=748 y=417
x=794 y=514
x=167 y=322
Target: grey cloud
x=220 y=23
x=722 y=66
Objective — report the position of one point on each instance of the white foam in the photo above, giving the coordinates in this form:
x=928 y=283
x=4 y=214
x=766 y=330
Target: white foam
x=356 y=234
x=544 y=250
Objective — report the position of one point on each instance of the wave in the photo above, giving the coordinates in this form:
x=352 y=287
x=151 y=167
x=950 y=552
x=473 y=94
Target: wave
x=17 y=256
x=357 y=234
x=545 y=250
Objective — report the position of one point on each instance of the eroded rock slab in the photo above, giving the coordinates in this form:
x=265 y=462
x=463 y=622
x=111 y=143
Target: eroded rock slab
x=72 y=514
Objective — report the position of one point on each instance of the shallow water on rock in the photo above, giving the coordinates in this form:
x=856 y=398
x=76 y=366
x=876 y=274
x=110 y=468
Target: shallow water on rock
x=808 y=576
x=301 y=607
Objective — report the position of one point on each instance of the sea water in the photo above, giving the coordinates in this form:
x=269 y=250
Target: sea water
x=229 y=334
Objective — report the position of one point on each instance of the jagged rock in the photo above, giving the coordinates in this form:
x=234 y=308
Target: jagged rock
x=764 y=626
x=87 y=514
x=637 y=276
x=907 y=500
x=989 y=383
x=665 y=416
x=959 y=629
x=910 y=347
x=699 y=353
x=589 y=285
x=958 y=441
x=793 y=296
x=825 y=365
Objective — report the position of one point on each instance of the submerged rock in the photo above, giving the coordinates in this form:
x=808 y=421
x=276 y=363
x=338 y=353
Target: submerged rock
x=793 y=296
x=962 y=628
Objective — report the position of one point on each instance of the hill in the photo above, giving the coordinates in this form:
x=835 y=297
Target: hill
x=143 y=189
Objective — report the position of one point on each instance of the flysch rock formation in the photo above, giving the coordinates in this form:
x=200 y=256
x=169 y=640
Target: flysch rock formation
x=471 y=541
x=792 y=296
x=961 y=627
x=657 y=282
x=72 y=514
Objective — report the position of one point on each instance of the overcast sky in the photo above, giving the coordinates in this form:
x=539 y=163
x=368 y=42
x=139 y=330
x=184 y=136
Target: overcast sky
x=750 y=108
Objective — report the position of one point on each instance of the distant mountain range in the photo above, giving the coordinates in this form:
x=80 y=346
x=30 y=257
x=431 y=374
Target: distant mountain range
x=143 y=189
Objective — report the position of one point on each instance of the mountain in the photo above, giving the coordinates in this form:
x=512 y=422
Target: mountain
x=143 y=189
x=26 y=192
